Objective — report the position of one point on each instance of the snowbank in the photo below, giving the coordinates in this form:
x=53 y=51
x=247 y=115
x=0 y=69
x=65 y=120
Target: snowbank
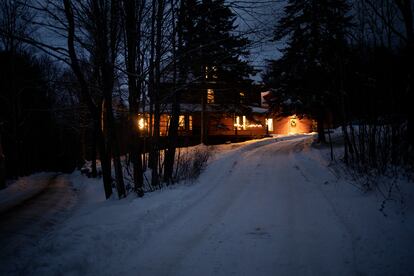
x=23 y=189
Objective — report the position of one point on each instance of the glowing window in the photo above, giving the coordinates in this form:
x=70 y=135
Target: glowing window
x=243 y=124
x=181 y=122
x=210 y=96
x=269 y=124
x=237 y=122
x=190 y=122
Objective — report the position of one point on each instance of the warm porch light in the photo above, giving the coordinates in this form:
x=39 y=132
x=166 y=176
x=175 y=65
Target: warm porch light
x=293 y=121
x=293 y=129
x=142 y=124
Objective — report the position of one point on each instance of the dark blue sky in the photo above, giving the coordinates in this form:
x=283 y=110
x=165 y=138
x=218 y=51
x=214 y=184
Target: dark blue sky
x=258 y=20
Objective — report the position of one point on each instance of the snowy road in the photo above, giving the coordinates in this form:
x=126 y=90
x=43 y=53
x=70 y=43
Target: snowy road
x=267 y=207
x=263 y=215
x=24 y=226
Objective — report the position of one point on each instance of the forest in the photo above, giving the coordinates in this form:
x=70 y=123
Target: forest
x=77 y=77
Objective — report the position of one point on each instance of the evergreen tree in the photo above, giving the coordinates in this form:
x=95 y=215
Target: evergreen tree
x=310 y=69
x=211 y=55
x=210 y=46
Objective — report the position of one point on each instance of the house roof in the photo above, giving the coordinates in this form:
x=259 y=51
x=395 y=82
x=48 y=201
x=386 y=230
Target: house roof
x=190 y=108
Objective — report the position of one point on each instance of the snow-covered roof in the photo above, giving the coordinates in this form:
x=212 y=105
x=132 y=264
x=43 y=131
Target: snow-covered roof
x=189 y=108
x=260 y=110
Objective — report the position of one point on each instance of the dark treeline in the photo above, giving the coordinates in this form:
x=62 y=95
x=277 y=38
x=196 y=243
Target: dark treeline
x=350 y=64
x=32 y=138
x=102 y=93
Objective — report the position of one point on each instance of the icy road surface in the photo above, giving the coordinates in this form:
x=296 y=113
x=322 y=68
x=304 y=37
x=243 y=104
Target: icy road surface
x=268 y=207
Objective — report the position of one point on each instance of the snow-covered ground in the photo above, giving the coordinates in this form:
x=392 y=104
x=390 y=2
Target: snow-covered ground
x=23 y=189
x=40 y=203
x=265 y=207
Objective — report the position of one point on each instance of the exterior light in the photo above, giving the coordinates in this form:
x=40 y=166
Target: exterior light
x=141 y=123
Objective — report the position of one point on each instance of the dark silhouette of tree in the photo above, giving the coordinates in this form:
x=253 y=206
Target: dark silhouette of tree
x=307 y=73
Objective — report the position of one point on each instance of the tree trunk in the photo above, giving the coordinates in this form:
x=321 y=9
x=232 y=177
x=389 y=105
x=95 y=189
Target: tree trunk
x=2 y=167
x=175 y=116
x=136 y=158
x=133 y=40
x=203 y=117
x=321 y=129
x=120 y=185
x=105 y=158
x=172 y=141
x=86 y=95
x=406 y=9
x=112 y=145
x=151 y=84
x=95 y=129
x=157 y=116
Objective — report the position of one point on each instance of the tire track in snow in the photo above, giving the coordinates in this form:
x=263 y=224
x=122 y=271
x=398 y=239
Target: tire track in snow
x=22 y=228
x=305 y=171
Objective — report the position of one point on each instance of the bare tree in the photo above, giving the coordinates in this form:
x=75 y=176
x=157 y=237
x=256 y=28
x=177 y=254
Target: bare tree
x=405 y=8
x=133 y=13
x=15 y=18
x=103 y=29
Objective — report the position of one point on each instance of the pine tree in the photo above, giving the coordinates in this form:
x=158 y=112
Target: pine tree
x=209 y=45
x=310 y=67
x=211 y=54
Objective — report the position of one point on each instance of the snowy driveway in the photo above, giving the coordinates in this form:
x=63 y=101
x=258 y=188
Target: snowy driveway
x=23 y=226
x=263 y=215
x=268 y=207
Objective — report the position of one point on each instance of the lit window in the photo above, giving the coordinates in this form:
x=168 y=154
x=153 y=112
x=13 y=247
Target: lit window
x=237 y=122
x=190 y=122
x=181 y=122
x=244 y=122
x=269 y=124
x=210 y=96
x=243 y=125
